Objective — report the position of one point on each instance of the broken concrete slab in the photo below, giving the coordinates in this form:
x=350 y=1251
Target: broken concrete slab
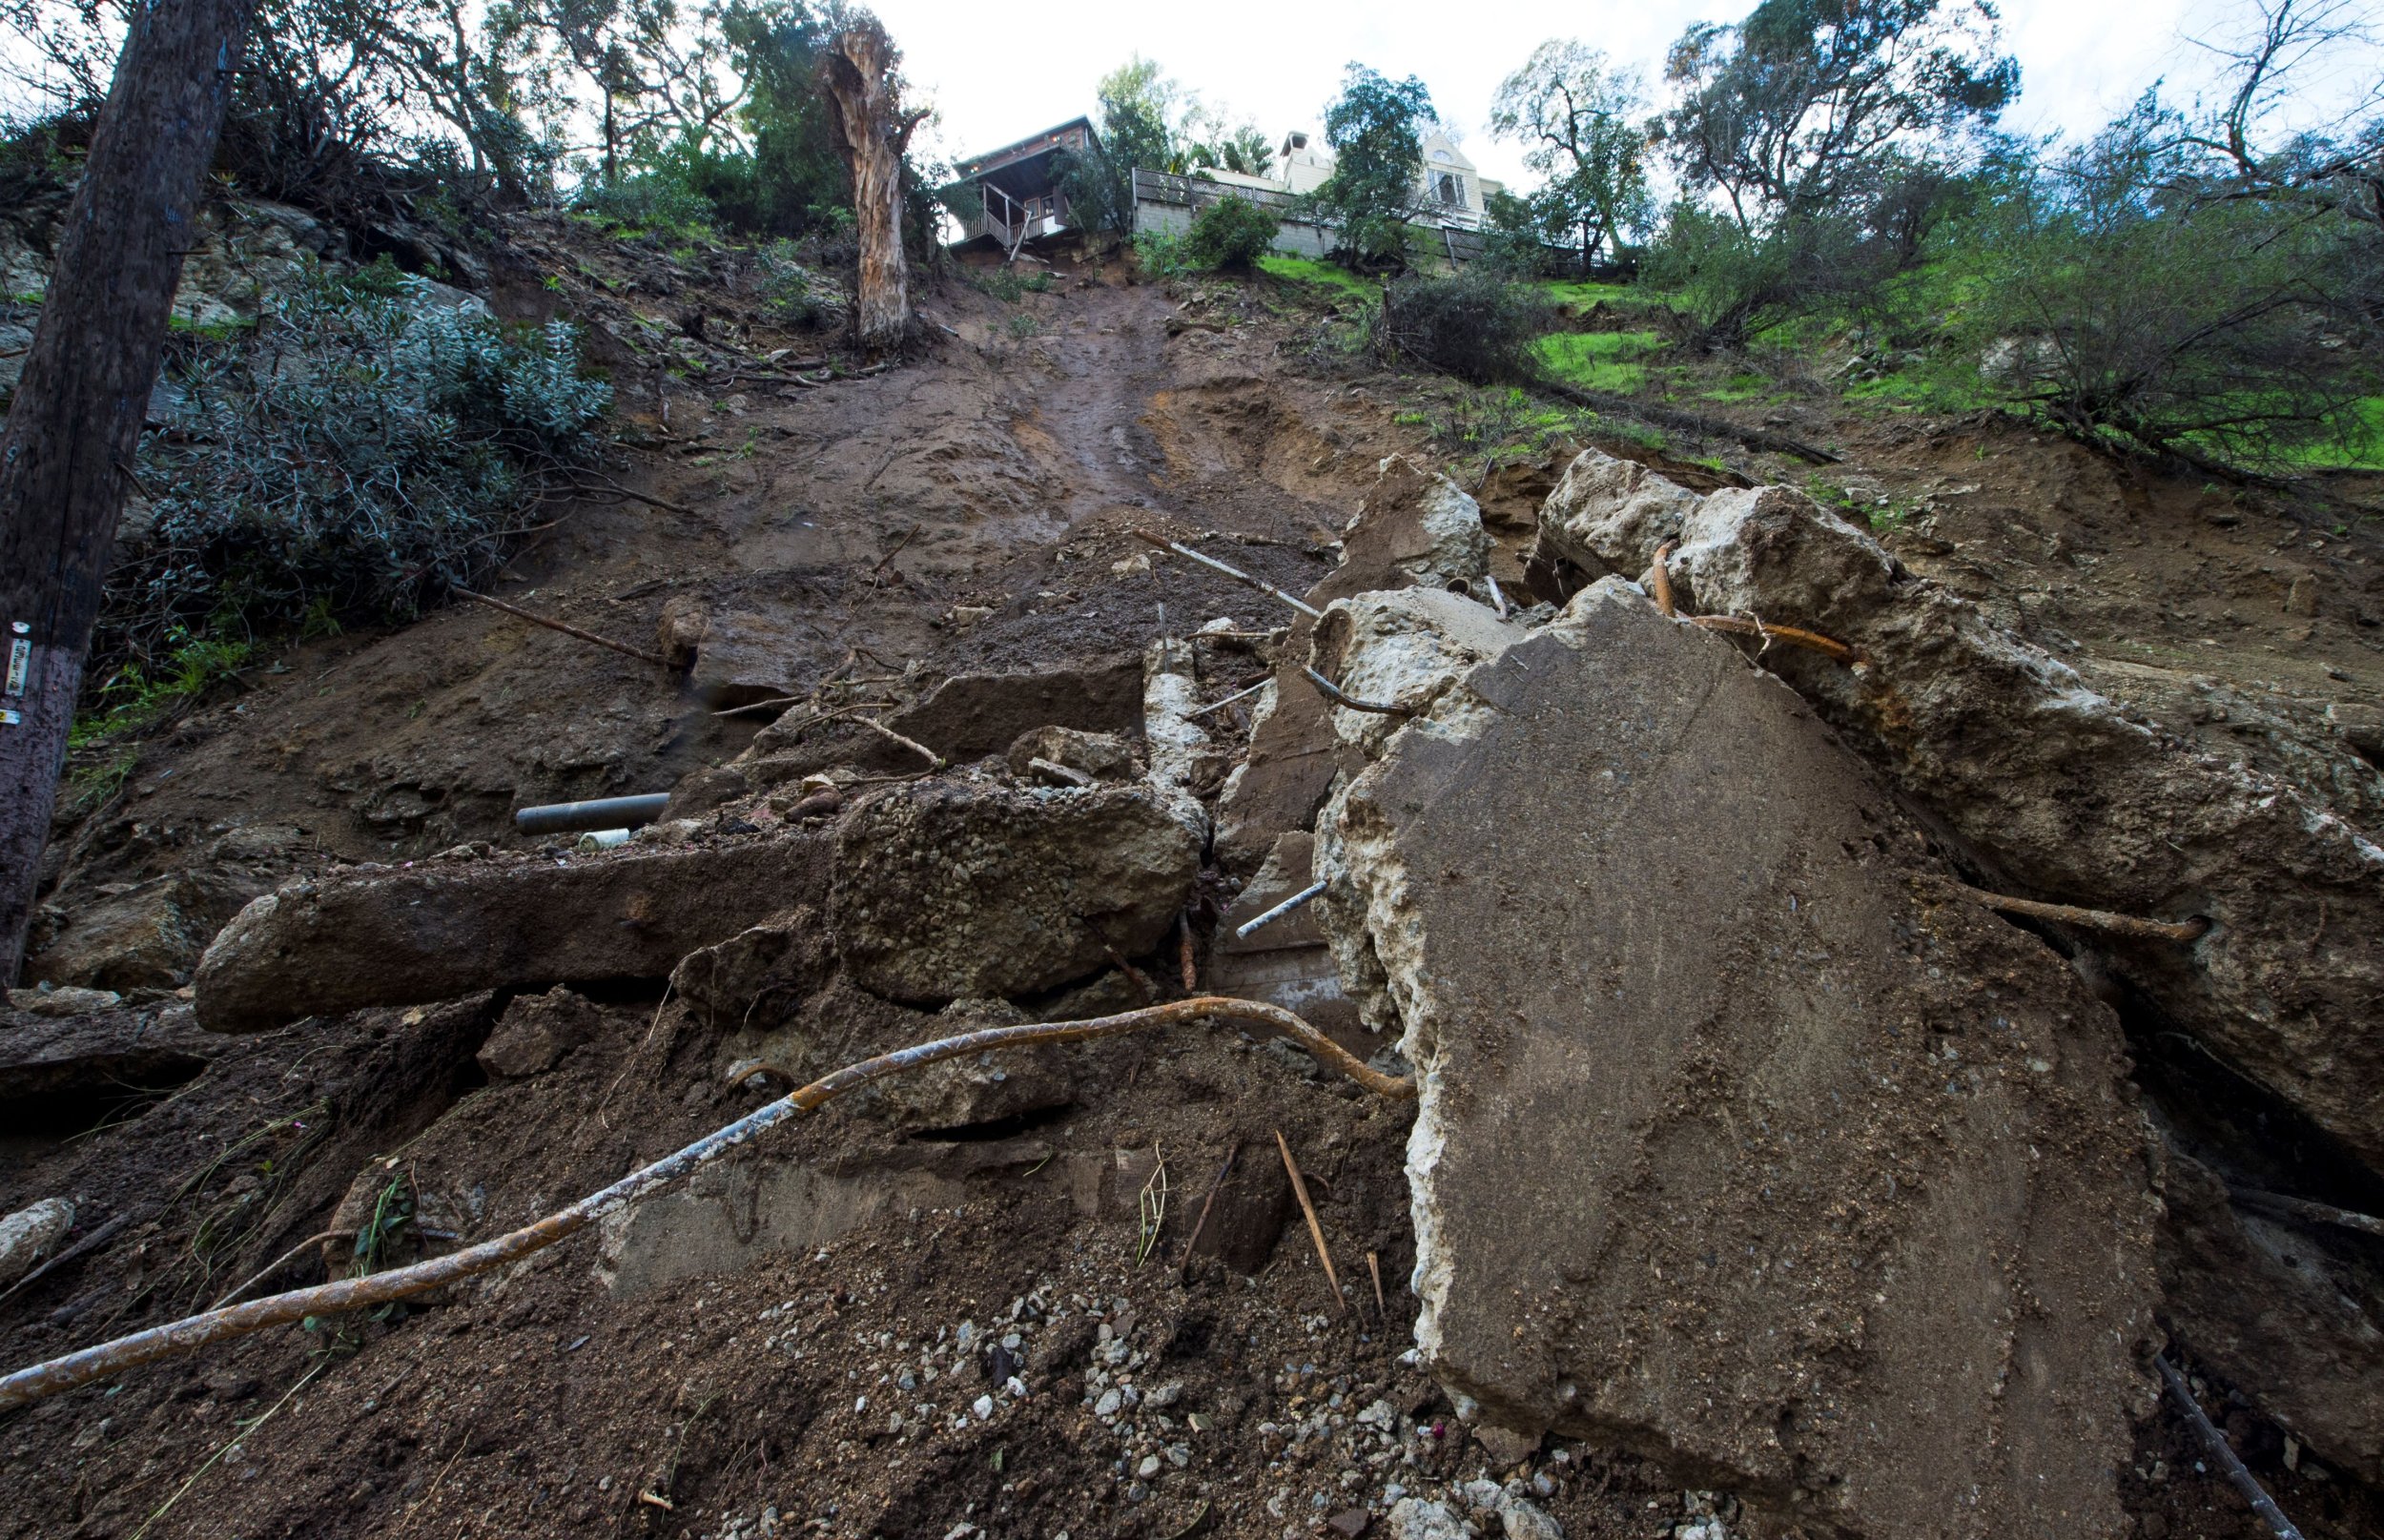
x=1415 y=527
x=2272 y=1310
x=1102 y=756
x=30 y=1234
x=1741 y=1140
x=147 y=937
x=1287 y=962
x=45 y=1060
x=2057 y=792
x=947 y=890
x=757 y=976
x=407 y=936
x=972 y=716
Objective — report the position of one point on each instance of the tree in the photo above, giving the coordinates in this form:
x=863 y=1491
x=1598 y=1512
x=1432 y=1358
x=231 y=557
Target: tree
x=1572 y=112
x=1377 y=184
x=76 y=422
x=1791 y=113
x=861 y=70
x=1137 y=108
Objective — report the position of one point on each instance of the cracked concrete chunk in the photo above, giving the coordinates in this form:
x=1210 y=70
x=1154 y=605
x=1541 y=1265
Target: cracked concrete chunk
x=535 y=1033
x=1740 y=1142
x=402 y=937
x=757 y=976
x=2071 y=796
x=948 y=891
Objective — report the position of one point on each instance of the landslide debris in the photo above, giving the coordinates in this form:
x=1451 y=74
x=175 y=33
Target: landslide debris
x=1741 y=1140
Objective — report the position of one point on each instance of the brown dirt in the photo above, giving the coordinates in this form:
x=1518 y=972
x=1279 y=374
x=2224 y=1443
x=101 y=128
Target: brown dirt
x=1007 y=467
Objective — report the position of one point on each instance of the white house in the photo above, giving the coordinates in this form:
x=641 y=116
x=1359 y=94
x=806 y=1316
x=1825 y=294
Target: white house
x=1451 y=188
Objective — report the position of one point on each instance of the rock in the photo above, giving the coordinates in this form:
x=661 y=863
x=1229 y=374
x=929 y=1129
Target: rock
x=945 y=891
x=535 y=1032
x=69 y=1000
x=1412 y=1518
x=150 y=936
x=1524 y=1520
x=1506 y=1447
x=383 y=936
x=757 y=976
x=29 y=1234
x=2274 y=1309
x=1287 y=961
x=741 y=657
x=1410 y=529
x=971 y=716
x=46 y=1064
x=1732 y=1116
x=1104 y=756
x=2071 y=796
x=2362 y=726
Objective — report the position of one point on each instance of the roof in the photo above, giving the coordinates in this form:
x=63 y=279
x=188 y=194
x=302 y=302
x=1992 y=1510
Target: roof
x=1051 y=138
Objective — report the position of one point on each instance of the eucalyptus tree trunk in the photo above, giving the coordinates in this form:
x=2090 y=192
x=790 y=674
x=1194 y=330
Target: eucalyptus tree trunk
x=860 y=67
x=75 y=423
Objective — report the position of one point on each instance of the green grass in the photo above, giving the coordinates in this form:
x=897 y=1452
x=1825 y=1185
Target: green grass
x=2368 y=433
x=1597 y=360
x=1339 y=282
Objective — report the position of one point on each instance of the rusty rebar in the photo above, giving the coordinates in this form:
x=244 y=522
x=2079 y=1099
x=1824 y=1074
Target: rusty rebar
x=58 y=1375
x=2093 y=920
x=1659 y=580
x=1334 y=694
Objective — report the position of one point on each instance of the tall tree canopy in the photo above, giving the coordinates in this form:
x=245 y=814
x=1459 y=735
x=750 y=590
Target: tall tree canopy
x=1574 y=112
x=1801 y=106
x=1376 y=188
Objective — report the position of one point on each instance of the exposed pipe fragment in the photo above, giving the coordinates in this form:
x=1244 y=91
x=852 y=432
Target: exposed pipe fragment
x=1297 y=899
x=2224 y=1452
x=602 y=812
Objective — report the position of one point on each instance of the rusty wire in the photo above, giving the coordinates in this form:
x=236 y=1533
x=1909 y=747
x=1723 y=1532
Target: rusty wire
x=58 y=1375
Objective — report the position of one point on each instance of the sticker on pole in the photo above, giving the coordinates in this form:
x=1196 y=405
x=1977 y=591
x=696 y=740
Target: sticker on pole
x=20 y=663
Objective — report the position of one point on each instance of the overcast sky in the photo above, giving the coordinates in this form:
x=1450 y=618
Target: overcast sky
x=999 y=72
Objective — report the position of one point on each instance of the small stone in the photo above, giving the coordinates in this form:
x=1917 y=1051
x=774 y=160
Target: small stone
x=29 y=1234
x=1149 y=1466
x=1412 y=1518
x=1481 y=1496
x=1524 y=1521
x=983 y=1407
x=1109 y=1405
x=1166 y=1395
x=1350 y=1522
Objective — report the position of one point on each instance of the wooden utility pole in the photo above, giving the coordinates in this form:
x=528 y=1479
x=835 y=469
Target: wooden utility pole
x=75 y=423
x=860 y=67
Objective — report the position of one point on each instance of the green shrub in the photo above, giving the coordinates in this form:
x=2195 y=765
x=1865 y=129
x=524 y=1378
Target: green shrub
x=1477 y=325
x=1163 y=253
x=654 y=202
x=1232 y=233
x=796 y=295
x=352 y=456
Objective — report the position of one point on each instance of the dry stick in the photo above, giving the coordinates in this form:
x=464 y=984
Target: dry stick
x=1381 y=1306
x=1316 y=1230
x=57 y=1375
x=566 y=628
x=1795 y=636
x=2093 y=920
x=95 y=1238
x=2302 y=1208
x=1233 y=572
x=1184 y=961
x=606 y=483
x=899 y=544
x=1183 y=1266
x=912 y=744
x=1237 y=695
x=2224 y=1452
x=1333 y=693
x=1660 y=580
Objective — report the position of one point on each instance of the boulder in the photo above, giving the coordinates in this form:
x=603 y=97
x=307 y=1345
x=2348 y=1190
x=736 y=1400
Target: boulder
x=1100 y=756
x=971 y=716
x=405 y=935
x=947 y=890
x=1742 y=1141
x=2059 y=792
x=147 y=936
x=757 y=976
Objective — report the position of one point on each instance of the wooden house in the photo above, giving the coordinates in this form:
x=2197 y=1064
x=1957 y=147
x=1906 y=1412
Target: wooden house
x=1012 y=195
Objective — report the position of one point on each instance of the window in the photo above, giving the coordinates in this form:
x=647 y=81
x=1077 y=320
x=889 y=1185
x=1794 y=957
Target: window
x=1448 y=187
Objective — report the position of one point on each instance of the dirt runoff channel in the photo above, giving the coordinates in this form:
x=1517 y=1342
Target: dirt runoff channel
x=937 y=1314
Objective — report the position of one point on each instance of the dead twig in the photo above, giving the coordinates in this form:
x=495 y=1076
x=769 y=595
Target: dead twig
x=1333 y=693
x=1151 y=1204
x=88 y=1242
x=932 y=758
x=566 y=627
x=1381 y=1306
x=279 y=1263
x=40 y=1380
x=2224 y=1452
x=1659 y=581
x=1316 y=1230
x=1199 y=1222
x=1793 y=635
x=2093 y=920
x=1233 y=572
x=906 y=539
x=1187 y=963
x=606 y=483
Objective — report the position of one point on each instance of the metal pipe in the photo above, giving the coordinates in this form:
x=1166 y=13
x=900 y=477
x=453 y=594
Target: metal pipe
x=1303 y=896
x=604 y=812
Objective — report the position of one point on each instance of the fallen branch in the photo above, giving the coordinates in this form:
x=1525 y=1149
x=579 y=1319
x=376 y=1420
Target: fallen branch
x=56 y=1376
x=1237 y=695
x=2302 y=1208
x=1381 y=1306
x=1667 y=416
x=566 y=628
x=2093 y=920
x=1316 y=1230
x=606 y=483
x=1794 y=636
x=2224 y=1452
x=1333 y=693
x=1233 y=572
x=933 y=759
